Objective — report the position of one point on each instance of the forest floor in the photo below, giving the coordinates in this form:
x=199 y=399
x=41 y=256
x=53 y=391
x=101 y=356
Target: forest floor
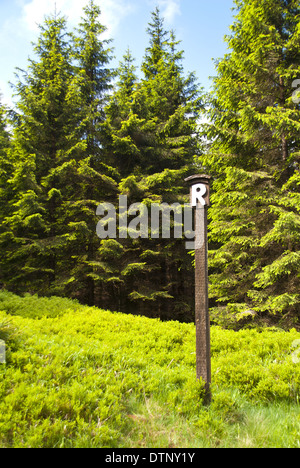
x=78 y=376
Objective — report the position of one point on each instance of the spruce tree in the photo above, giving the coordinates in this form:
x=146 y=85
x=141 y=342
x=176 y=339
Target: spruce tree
x=151 y=137
x=254 y=157
x=152 y=125
x=92 y=56
x=123 y=127
x=155 y=53
x=48 y=104
x=42 y=126
x=56 y=187
x=173 y=102
x=96 y=178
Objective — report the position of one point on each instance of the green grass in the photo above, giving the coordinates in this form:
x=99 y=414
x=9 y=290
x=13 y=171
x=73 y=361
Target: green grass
x=82 y=377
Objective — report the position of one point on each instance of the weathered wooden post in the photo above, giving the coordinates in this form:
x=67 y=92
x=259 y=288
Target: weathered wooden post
x=199 y=193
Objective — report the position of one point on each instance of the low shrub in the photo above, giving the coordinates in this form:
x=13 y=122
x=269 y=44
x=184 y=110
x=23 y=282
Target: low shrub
x=75 y=371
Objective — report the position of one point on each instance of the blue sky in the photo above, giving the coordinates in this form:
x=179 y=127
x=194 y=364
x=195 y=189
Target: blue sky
x=199 y=24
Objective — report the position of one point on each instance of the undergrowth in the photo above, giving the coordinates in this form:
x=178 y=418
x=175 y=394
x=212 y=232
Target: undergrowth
x=79 y=376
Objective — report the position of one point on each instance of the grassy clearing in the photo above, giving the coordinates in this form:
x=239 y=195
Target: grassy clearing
x=82 y=377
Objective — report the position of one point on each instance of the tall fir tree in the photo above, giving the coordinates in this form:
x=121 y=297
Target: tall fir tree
x=254 y=157
x=92 y=56
x=173 y=101
x=123 y=127
x=97 y=178
x=46 y=110
x=56 y=187
x=48 y=102
x=158 y=39
x=154 y=122
x=151 y=133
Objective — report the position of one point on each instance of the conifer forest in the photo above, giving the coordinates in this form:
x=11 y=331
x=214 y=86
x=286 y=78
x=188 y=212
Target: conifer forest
x=83 y=133
x=98 y=318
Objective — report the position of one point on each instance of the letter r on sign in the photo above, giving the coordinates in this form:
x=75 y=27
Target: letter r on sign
x=198 y=193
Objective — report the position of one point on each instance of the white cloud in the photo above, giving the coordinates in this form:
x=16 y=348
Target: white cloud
x=170 y=9
x=35 y=11
x=113 y=11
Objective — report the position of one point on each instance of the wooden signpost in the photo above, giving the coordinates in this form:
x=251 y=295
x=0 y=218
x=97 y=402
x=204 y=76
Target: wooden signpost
x=199 y=193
